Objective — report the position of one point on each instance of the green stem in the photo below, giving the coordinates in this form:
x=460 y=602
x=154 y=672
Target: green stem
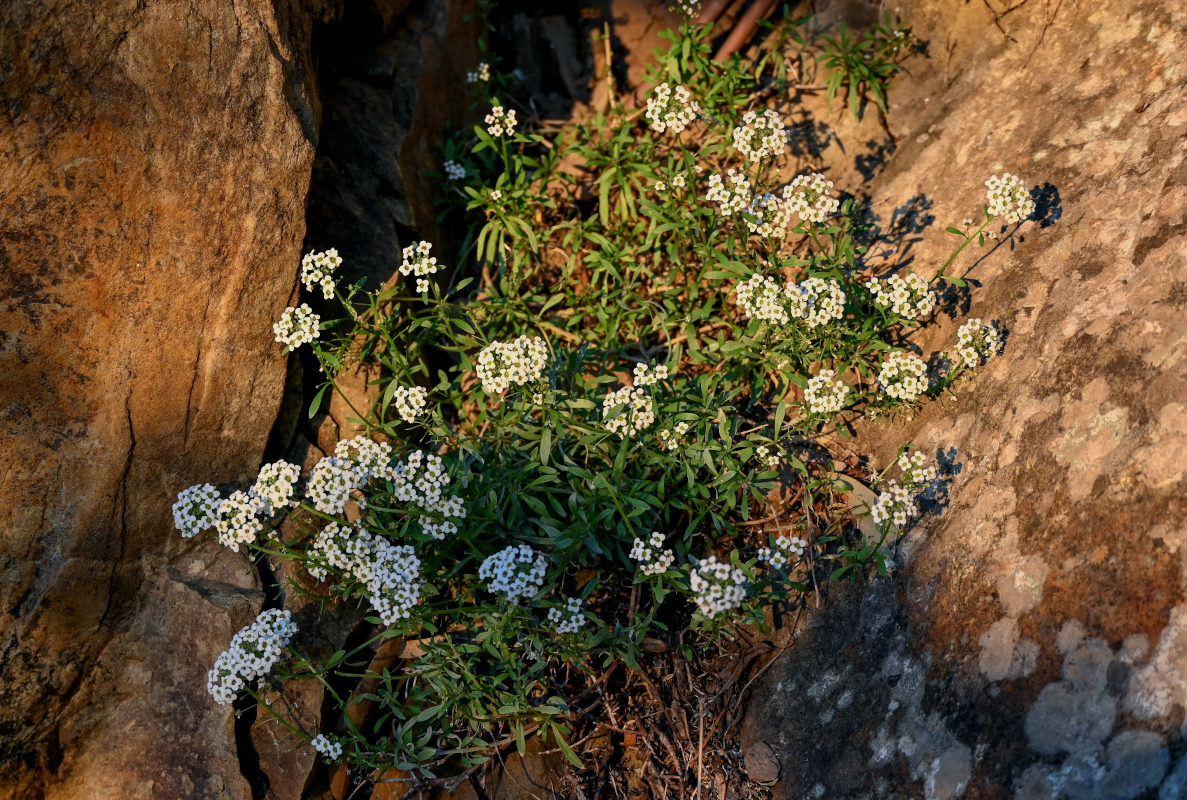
x=964 y=244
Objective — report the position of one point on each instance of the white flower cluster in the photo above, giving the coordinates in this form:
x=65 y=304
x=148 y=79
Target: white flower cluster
x=764 y=454
x=570 y=620
x=976 y=340
x=649 y=375
x=389 y=573
x=196 y=509
x=502 y=365
x=816 y=301
x=480 y=74
x=771 y=216
x=917 y=473
x=421 y=481
x=516 y=570
x=253 y=652
x=276 y=485
x=236 y=520
x=907 y=295
x=730 y=197
x=671 y=439
x=317 y=269
x=760 y=297
x=671 y=109
x=895 y=503
x=367 y=457
x=825 y=394
x=354 y=463
x=678 y=182
x=454 y=171
x=634 y=414
x=688 y=8
x=717 y=586
x=760 y=135
x=1008 y=197
x=330 y=747
x=410 y=401
x=330 y=483
x=418 y=262
x=653 y=557
x=785 y=549
x=809 y=197
x=903 y=376
x=499 y=122
x=297 y=326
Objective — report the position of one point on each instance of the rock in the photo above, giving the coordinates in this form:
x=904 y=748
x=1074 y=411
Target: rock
x=762 y=766
x=156 y=159
x=1065 y=719
x=1136 y=761
x=1039 y=614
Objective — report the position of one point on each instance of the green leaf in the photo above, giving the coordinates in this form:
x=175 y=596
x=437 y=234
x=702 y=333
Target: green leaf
x=568 y=751
x=316 y=404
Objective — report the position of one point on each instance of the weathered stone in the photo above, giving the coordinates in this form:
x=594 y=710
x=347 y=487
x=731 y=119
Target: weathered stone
x=1043 y=609
x=155 y=159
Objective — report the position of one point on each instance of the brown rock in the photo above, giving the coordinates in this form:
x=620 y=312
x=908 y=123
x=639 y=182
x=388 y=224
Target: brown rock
x=155 y=159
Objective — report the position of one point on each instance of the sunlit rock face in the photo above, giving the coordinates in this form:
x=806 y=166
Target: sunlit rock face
x=155 y=161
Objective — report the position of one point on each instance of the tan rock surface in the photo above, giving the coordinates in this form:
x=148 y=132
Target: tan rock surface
x=1030 y=644
x=154 y=160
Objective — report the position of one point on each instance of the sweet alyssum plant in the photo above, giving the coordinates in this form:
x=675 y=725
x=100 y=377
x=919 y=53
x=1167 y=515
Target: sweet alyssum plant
x=637 y=359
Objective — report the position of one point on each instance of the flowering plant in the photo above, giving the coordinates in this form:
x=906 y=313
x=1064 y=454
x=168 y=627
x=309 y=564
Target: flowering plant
x=583 y=474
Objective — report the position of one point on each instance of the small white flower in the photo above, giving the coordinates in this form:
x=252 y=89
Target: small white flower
x=317 y=269
x=419 y=263
x=1008 y=197
x=330 y=747
x=516 y=570
x=454 y=171
x=895 y=504
x=648 y=375
x=731 y=197
x=388 y=573
x=760 y=135
x=809 y=196
x=330 y=483
x=977 y=341
x=236 y=521
x=784 y=551
x=653 y=558
x=903 y=376
x=634 y=412
x=760 y=297
x=569 y=620
x=671 y=109
x=252 y=654
x=500 y=122
x=297 y=326
x=276 y=486
x=480 y=74
x=196 y=509
x=410 y=401
x=717 y=586
x=501 y=365
x=907 y=295
x=917 y=473
x=816 y=301
x=825 y=394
